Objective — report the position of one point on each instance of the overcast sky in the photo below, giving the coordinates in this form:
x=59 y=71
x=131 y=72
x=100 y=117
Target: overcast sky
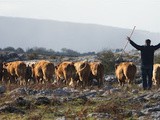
x=144 y=14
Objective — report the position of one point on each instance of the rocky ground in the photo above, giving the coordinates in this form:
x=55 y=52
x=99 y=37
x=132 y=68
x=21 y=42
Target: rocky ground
x=49 y=102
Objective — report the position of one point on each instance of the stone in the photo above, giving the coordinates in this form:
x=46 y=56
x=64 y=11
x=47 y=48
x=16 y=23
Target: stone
x=2 y=89
x=99 y=115
x=20 y=101
x=11 y=109
x=135 y=91
x=60 y=92
x=42 y=101
x=106 y=93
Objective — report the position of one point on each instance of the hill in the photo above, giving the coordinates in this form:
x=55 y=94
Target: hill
x=50 y=34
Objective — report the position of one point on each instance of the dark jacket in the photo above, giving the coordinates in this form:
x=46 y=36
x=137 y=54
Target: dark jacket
x=147 y=53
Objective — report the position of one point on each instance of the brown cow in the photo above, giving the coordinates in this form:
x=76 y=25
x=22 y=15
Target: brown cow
x=43 y=71
x=156 y=75
x=66 y=71
x=14 y=70
x=97 y=72
x=83 y=70
x=125 y=71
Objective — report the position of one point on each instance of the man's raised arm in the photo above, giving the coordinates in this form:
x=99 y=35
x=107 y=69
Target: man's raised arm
x=157 y=46
x=138 y=47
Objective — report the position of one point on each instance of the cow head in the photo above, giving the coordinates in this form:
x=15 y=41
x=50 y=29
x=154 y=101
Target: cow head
x=5 y=65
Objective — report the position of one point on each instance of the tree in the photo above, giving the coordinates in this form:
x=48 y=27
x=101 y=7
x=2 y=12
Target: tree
x=29 y=50
x=69 y=52
x=19 y=50
x=40 y=51
x=10 y=49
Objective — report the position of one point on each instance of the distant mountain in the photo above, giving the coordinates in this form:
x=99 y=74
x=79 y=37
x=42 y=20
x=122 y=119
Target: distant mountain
x=50 y=34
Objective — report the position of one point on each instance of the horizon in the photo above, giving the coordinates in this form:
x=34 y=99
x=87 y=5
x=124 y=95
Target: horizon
x=48 y=49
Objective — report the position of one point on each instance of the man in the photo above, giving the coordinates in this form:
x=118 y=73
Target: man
x=147 y=60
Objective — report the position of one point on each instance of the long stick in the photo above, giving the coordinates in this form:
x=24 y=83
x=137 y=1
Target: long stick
x=128 y=41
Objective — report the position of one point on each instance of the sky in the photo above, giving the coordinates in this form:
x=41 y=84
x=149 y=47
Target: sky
x=144 y=14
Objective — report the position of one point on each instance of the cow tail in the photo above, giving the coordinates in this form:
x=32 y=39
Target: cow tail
x=82 y=68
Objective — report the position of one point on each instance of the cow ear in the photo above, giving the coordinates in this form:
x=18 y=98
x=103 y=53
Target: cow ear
x=32 y=65
x=116 y=65
x=5 y=64
x=55 y=67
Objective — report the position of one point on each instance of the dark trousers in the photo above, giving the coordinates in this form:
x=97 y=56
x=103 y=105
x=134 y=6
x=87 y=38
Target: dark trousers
x=147 y=72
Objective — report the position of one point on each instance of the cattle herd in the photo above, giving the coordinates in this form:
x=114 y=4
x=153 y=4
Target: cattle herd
x=80 y=73
x=69 y=73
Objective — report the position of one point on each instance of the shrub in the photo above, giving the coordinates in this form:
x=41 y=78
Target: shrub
x=108 y=60
x=157 y=58
x=32 y=56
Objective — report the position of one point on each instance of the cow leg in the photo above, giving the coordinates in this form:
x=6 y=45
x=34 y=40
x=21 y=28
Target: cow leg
x=158 y=83
x=5 y=80
x=24 y=81
x=20 y=81
x=32 y=81
x=65 y=78
x=37 y=79
x=42 y=81
x=89 y=80
x=71 y=83
x=80 y=83
x=154 y=81
x=99 y=82
x=12 y=79
x=49 y=80
x=83 y=83
x=59 y=81
x=45 y=79
x=68 y=80
x=120 y=82
x=123 y=82
x=130 y=81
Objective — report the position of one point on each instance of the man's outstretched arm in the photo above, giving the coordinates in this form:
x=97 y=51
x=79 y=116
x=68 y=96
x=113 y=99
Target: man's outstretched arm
x=138 y=47
x=157 y=46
